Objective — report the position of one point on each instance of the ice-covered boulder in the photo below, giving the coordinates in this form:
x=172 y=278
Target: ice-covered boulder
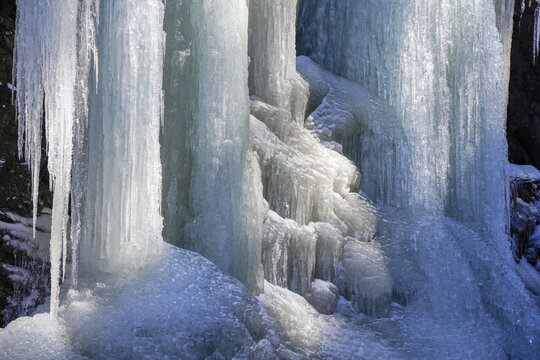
x=323 y=296
x=364 y=277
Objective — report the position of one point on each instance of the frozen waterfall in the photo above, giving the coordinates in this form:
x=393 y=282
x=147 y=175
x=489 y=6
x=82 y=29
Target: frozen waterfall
x=353 y=199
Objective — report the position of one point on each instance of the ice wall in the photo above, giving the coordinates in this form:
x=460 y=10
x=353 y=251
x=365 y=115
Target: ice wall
x=428 y=65
x=208 y=203
x=441 y=68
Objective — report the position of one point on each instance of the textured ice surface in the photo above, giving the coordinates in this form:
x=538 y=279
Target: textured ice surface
x=207 y=200
x=310 y=188
x=313 y=213
x=122 y=219
x=323 y=296
x=181 y=308
x=44 y=70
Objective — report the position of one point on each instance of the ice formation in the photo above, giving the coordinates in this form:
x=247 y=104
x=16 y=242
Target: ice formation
x=207 y=203
x=45 y=73
x=446 y=135
x=122 y=215
x=315 y=216
x=361 y=193
x=115 y=210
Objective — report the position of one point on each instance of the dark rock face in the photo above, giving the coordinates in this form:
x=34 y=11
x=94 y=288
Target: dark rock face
x=523 y=124
x=24 y=278
x=525 y=218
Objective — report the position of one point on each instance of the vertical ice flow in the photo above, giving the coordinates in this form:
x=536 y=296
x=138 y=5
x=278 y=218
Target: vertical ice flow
x=86 y=57
x=115 y=213
x=122 y=209
x=207 y=205
x=442 y=67
x=45 y=72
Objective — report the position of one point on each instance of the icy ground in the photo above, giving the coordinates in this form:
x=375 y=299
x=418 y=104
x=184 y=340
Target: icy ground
x=183 y=307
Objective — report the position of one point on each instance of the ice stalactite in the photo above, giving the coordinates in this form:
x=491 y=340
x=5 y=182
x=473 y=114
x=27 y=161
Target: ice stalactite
x=532 y=4
x=45 y=73
x=536 y=32
x=208 y=201
x=314 y=217
x=122 y=212
x=88 y=17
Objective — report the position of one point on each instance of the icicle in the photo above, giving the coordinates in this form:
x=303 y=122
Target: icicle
x=536 y=32
x=86 y=54
x=45 y=76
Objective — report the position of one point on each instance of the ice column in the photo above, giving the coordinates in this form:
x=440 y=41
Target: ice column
x=207 y=201
x=123 y=200
x=45 y=72
x=272 y=53
x=88 y=17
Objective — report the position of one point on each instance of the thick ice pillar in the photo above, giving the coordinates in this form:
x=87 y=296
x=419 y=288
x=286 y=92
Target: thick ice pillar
x=122 y=213
x=207 y=204
x=272 y=53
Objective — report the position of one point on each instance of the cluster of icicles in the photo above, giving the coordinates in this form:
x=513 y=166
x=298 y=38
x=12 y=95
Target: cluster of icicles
x=102 y=131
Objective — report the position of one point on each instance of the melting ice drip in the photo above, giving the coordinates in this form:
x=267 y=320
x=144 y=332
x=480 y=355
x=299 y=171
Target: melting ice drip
x=536 y=29
x=101 y=124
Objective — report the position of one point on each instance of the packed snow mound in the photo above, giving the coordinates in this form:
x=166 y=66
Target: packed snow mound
x=183 y=307
x=524 y=172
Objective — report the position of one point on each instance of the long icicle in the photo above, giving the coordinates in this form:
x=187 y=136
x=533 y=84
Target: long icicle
x=45 y=68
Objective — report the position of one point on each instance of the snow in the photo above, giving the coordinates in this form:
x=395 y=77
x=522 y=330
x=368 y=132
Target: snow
x=24 y=237
x=524 y=172
x=181 y=307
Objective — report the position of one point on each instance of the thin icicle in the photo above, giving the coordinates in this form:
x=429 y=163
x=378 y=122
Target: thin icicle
x=86 y=56
x=536 y=36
